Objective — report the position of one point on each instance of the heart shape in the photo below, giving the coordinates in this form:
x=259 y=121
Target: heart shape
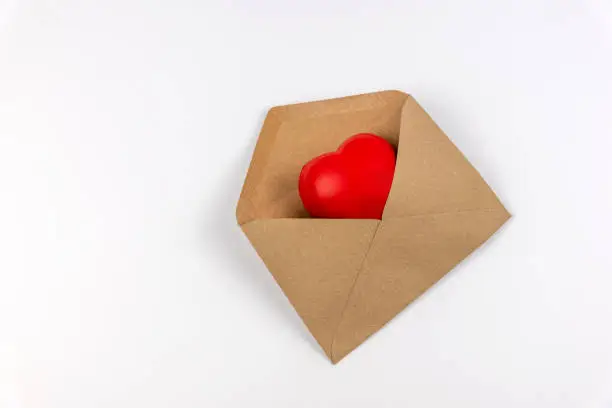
x=352 y=182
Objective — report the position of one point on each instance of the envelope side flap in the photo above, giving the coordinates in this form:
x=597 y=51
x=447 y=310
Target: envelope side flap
x=248 y=203
x=432 y=175
x=315 y=262
x=407 y=257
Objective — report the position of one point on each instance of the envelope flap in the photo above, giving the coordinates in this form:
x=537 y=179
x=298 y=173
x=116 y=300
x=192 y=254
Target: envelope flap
x=432 y=176
x=315 y=262
x=407 y=257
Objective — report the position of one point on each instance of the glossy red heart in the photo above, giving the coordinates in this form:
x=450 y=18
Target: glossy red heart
x=352 y=182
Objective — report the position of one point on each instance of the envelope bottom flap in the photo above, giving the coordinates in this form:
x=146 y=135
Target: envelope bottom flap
x=407 y=257
x=315 y=262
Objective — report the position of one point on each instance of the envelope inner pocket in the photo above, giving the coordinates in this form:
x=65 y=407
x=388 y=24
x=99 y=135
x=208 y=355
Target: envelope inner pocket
x=294 y=134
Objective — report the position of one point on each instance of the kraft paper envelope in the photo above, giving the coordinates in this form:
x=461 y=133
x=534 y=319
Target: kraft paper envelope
x=346 y=278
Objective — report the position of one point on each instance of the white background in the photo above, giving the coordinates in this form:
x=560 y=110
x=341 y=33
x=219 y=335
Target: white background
x=126 y=127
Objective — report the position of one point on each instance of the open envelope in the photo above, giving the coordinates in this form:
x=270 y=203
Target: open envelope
x=347 y=278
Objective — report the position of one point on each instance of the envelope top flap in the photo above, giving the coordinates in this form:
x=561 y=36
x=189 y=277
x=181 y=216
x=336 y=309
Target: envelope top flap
x=316 y=263
x=431 y=175
x=294 y=134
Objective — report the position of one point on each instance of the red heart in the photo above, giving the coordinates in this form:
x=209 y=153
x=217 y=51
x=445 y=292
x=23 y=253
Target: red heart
x=352 y=182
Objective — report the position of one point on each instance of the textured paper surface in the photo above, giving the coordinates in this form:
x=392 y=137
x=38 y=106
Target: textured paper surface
x=348 y=278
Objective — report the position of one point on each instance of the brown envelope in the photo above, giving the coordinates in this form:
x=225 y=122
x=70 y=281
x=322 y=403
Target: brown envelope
x=346 y=278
